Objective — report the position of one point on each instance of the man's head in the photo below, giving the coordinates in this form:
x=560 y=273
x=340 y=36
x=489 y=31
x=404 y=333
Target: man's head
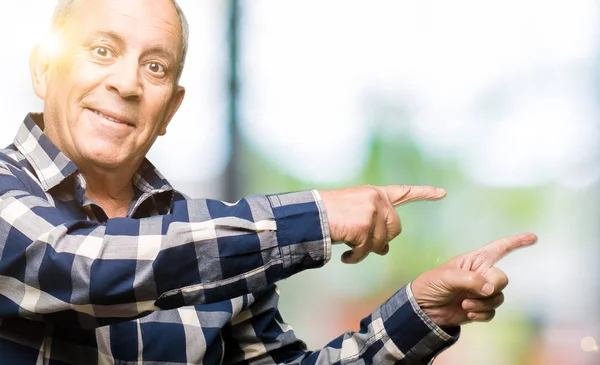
x=112 y=86
x=64 y=8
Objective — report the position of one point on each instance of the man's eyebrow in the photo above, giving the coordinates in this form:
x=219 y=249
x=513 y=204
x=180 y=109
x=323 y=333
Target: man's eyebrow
x=107 y=34
x=163 y=52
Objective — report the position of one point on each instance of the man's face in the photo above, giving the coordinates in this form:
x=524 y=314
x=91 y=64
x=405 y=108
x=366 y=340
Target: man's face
x=111 y=88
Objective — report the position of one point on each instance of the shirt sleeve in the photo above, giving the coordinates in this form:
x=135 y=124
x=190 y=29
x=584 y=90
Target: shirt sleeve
x=88 y=274
x=397 y=332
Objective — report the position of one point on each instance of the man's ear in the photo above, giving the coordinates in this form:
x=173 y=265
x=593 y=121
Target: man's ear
x=174 y=104
x=39 y=63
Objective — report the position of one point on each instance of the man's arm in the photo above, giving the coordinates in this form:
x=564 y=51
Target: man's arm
x=397 y=332
x=404 y=330
x=87 y=274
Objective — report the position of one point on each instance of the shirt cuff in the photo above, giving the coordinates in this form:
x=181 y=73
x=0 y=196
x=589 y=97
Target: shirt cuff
x=302 y=229
x=417 y=339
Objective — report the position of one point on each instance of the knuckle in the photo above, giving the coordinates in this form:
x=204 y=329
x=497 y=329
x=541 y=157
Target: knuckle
x=396 y=229
x=368 y=187
x=378 y=192
x=372 y=211
x=381 y=252
x=373 y=194
x=446 y=274
x=490 y=315
x=500 y=299
x=392 y=235
x=470 y=278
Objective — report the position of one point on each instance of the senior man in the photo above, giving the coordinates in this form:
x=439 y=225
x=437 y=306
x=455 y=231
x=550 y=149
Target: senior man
x=102 y=261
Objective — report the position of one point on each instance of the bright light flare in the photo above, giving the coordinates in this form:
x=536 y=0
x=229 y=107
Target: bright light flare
x=588 y=344
x=52 y=43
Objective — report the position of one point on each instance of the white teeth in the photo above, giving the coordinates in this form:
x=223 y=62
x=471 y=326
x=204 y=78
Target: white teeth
x=109 y=118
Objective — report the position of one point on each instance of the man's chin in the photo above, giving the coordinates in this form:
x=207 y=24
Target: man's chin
x=105 y=159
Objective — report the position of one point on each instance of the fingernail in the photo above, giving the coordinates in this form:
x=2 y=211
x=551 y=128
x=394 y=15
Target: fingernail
x=440 y=190
x=468 y=306
x=487 y=289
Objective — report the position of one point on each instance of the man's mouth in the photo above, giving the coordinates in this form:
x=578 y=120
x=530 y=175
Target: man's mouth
x=114 y=120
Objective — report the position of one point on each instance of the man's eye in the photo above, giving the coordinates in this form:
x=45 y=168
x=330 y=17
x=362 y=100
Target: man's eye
x=102 y=52
x=156 y=68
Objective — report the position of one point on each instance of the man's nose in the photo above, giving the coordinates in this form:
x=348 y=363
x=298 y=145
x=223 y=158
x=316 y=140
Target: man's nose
x=125 y=78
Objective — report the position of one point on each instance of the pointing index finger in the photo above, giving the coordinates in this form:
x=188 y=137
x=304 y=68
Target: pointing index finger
x=502 y=247
x=402 y=194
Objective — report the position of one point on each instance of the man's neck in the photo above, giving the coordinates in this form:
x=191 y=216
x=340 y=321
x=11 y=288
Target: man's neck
x=111 y=191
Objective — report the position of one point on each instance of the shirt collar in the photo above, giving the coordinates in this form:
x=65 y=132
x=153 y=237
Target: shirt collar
x=52 y=167
x=50 y=164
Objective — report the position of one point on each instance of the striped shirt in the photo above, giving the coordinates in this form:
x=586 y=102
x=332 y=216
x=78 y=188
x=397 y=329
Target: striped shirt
x=177 y=281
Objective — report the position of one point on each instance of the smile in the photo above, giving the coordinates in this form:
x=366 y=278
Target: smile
x=111 y=118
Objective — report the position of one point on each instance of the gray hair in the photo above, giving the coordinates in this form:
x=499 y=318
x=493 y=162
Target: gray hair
x=64 y=7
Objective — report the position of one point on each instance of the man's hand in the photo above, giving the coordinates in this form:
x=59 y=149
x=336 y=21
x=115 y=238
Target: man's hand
x=468 y=287
x=364 y=218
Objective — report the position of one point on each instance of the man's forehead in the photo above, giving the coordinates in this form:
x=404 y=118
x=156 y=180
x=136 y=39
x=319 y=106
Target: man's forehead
x=155 y=19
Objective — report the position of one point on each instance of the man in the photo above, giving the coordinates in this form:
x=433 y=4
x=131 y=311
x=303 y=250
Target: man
x=101 y=261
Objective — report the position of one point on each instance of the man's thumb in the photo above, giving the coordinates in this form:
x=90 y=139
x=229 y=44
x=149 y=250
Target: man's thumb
x=469 y=281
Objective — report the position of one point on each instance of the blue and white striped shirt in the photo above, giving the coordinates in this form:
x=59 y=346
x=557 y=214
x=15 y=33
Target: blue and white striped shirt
x=177 y=281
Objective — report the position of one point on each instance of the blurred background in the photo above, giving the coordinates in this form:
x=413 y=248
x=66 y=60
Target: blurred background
x=496 y=101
